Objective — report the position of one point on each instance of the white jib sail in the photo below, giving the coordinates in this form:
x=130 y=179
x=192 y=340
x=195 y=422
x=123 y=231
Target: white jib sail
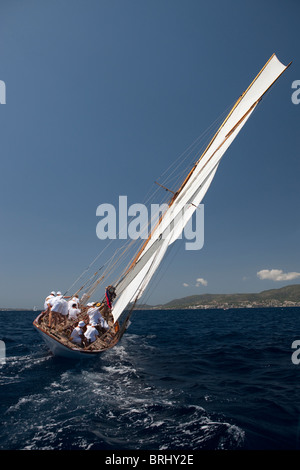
x=192 y=191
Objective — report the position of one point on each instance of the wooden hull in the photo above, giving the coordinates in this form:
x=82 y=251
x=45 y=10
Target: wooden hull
x=63 y=350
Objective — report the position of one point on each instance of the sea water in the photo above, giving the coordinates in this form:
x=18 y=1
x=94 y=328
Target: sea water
x=181 y=379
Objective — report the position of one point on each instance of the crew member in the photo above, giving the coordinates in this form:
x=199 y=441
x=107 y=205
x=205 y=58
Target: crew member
x=73 y=312
x=91 y=333
x=77 y=333
x=59 y=310
x=96 y=317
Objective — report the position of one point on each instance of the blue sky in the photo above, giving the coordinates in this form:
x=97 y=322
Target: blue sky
x=102 y=97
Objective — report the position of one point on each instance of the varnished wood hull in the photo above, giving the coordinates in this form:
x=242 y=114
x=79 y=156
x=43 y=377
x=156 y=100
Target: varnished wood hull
x=58 y=348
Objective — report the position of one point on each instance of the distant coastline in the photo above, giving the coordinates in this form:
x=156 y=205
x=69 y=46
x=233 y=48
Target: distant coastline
x=18 y=310
x=288 y=296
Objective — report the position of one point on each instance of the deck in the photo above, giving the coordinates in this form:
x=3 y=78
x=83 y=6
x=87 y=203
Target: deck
x=61 y=333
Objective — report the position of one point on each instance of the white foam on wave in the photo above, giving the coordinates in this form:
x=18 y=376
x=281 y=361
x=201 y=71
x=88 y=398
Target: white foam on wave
x=119 y=369
x=27 y=401
x=25 y=362
x=198 y=431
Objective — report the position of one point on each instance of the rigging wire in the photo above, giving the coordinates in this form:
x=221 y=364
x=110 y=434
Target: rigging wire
x=161 y=271
x=170 y=176
x=192 y=147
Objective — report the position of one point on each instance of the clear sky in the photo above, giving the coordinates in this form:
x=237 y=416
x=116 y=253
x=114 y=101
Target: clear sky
x=103 y=95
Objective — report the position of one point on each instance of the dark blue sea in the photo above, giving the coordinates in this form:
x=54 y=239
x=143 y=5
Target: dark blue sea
x=178 y=380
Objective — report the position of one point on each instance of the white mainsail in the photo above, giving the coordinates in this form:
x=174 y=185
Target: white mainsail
x=193 y=189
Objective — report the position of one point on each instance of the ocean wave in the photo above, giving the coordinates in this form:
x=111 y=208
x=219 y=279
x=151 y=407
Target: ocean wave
x=222 y=386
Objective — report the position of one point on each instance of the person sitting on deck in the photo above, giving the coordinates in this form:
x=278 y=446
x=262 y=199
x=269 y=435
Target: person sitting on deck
x=73 y=312
x=77 y=333
x=91 y=333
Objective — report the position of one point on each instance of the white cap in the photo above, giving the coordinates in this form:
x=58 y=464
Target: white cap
x=90 y=304
x=93 y=323
x=58 y=293
x=53 y=292
x=81 y=324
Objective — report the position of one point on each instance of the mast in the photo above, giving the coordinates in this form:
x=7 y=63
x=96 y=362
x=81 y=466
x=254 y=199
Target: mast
x=188 y=177
x=192 y=190
x=225 y=121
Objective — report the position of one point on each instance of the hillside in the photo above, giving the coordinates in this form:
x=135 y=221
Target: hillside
x=283 y=297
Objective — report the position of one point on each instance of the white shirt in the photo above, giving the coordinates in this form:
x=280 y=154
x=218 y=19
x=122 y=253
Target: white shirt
x=76 y=335
x=73 y=313
x=104 y=323
x=73 y=301
x=60 y=305
x=49 y=300
x=91 y=333
x=94 y=315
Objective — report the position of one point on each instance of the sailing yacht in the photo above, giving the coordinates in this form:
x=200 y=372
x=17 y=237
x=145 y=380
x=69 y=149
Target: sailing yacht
x=121 y=298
